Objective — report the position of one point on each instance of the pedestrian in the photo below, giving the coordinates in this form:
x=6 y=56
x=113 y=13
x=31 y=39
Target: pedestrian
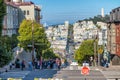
x=17 y=63
x=91 y=61
x=35 y=64
x=41 y=63
x=30 y=65
x=22 y=64
x=10 y=65
x=38 y=64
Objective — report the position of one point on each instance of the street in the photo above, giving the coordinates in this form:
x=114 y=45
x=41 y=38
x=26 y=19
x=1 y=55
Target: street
x=45 y=74
x=68 y=73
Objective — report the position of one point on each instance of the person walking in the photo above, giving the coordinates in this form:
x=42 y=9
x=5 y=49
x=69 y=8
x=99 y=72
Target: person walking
x=30 y=65
x=22 y=64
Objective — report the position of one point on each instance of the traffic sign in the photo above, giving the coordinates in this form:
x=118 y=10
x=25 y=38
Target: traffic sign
x=85 y=70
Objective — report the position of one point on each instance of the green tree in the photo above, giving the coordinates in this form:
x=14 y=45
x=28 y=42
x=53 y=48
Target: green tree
x=97 y=18
x=31 y=31
x=14 y=41
x=2 y=13
x=48 y=54
x=5 y=57
x=85 y=50
x=5 y=50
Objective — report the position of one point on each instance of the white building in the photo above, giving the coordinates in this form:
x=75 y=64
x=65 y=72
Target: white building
x=10 y=23
x=58 y=37
x=102 y=12
x=29 y=11
x=82 y=31
x=66 y=23
x=103 y=31
x=17 y=10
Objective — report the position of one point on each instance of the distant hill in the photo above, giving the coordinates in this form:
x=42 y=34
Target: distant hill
x=97 y=18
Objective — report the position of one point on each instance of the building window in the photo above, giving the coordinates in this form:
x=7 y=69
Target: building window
x=118 y=9
x=110 y=12
x=113 y=11
x=27 y=12
x=24 y=12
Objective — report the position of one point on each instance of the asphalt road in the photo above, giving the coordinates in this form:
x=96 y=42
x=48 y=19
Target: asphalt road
x=45 y=74
x=69 y=73
x=76 y=75
x=62 y=74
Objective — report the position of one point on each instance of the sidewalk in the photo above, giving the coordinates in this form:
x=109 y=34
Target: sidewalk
x=4 y=69
x=114 y=68
x=7 y=69
x=110 y=68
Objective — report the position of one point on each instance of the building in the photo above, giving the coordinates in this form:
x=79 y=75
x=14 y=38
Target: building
x=113 y=29
x=82 y=31
x=17 y=10
x=103 y=31
x=10 y=23
x=115 y=15
x=102 y=12
x=28 y=10
x=57 y=35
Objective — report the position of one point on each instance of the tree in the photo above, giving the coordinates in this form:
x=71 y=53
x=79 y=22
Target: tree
x=14 y=41
x=85 y=50
x=5 y=57
x=5 y=50
x=31 y=31
x=2 y=13
x=97 y=18
x=48 y=54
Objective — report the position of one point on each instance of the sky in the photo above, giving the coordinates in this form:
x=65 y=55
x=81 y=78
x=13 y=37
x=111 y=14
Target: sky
x=58 y=11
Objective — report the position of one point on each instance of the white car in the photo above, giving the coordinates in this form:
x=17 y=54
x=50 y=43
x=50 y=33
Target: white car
x=74 y=64
x=85 y=64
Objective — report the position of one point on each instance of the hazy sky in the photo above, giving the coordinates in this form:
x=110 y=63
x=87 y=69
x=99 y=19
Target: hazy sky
x=58 y=11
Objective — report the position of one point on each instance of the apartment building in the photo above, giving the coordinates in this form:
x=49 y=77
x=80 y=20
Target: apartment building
x=113 y=45
x=115 y=14
x=103 y=31
x=82 y=31
x=17 y=10
x=57 y=35
x=10 y=23
x=29 y=11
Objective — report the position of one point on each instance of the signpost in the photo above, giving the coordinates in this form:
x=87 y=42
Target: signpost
x=100 y=51
x=85 y=71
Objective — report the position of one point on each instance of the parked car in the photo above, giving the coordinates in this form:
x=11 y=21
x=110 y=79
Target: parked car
x=74 y=64
x=85 y=63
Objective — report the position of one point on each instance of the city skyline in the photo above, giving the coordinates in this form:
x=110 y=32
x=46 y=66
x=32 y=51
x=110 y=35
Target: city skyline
x=58 y=11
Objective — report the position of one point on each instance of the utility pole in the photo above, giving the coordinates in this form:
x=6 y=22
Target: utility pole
x=100 y=43
x=99 y=57
x=32 y=41
x=95 y=52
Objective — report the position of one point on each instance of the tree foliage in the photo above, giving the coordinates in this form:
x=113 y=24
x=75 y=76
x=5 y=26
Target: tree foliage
x=7 y=44
x=31 y=31
x=97 y=18
x=48 y=54
x=5 y=57
x=2 y=13
x=14 y=41
x=85 y=50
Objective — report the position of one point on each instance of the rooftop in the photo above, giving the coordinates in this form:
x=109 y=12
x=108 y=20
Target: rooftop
x=17 y=4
